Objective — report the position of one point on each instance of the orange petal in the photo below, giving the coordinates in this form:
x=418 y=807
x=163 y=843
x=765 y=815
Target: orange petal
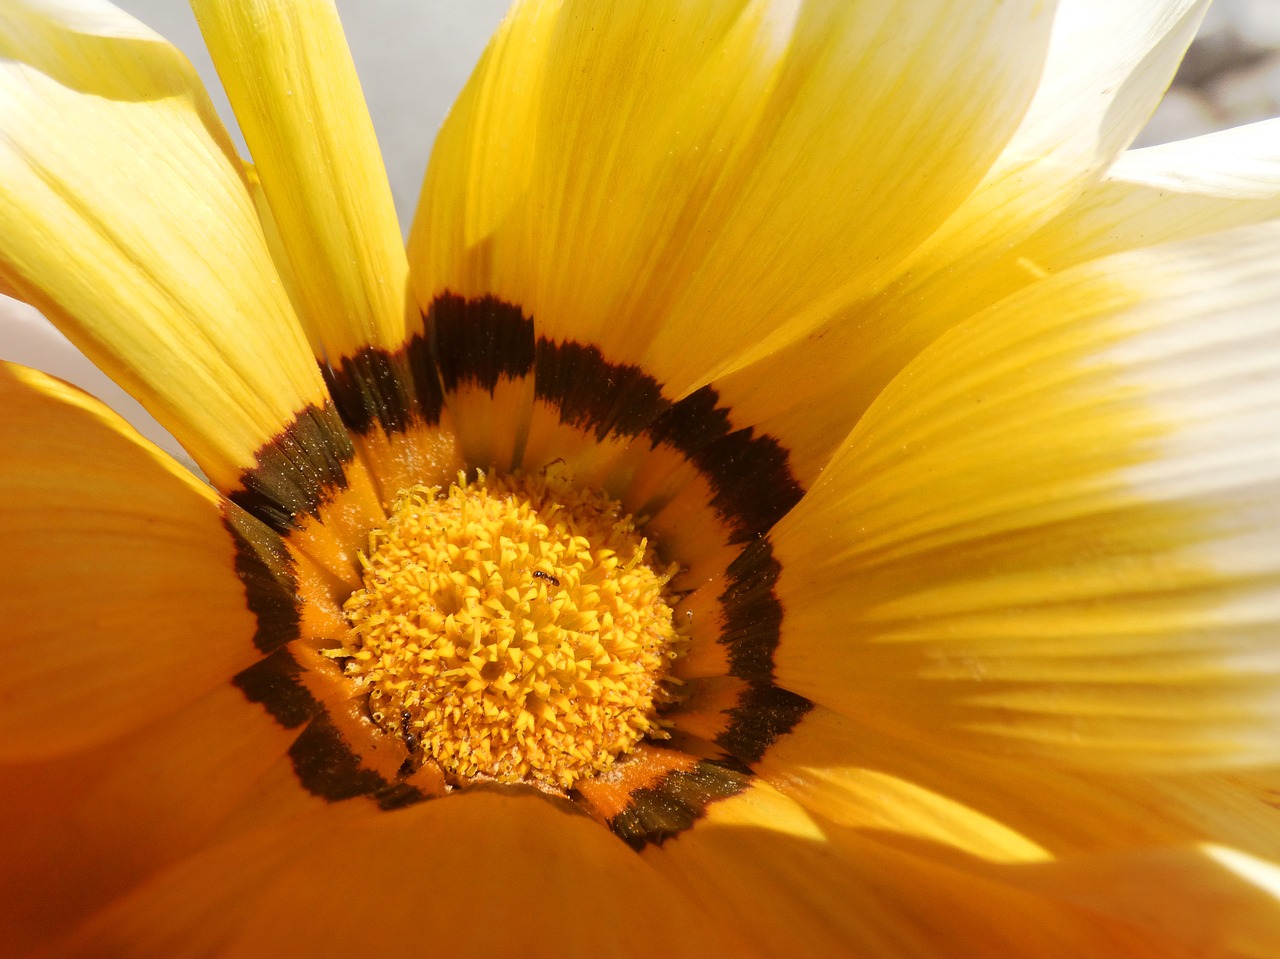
x=82 y=829
x=123 y=599
x=479 y=873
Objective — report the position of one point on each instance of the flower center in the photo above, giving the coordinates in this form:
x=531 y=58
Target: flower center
x=511 y=629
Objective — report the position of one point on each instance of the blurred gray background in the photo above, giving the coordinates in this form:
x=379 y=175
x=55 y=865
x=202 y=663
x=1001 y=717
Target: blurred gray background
x=1231 y=74
x=413 y=57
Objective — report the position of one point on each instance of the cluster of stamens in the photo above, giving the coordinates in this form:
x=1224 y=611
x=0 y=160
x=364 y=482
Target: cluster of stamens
x=511 y=629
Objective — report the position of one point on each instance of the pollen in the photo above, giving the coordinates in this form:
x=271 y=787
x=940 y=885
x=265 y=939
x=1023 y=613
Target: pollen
x=512 y=629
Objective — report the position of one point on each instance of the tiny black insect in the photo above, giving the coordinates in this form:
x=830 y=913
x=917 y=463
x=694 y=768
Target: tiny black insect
x=539 y=574
x=410 y=740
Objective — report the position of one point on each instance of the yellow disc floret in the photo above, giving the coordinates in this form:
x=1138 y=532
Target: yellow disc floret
x=511 y=629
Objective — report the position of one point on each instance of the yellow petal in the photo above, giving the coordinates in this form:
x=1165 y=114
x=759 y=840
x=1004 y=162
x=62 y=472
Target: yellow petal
x=1108 y=66
x=1152 y=851
x=376 y=389
x=961 y=806
x=121 y=599
x=831 y=766
x=683 y=185
x=31 y=340
x=1174 y=191
x=126 y=220
x=289 y=75
x=1055 y=532
x=326 y=207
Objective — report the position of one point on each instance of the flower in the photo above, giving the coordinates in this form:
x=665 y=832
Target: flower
x=835 y=354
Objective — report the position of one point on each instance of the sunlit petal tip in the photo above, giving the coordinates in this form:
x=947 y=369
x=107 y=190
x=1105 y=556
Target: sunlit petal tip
x=1265 y=876
x=1173 y=191
x=1106 y=69
x=871 y=897
x=1237 y=895
x=1044 y=205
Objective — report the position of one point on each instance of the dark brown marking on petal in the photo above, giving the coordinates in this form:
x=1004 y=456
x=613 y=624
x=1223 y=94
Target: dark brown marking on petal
x=481 y=341
x=753 y=486
x=327 y=766
x=323 y=761
x=478 y=342
x=398 y=796
x=425 y=378
x=764 y=714
x=752 y=613
x=751 y=632
x=275 y=683
x=593 y=394
x=265 y=567
x=390 y=390
x=693 y=422
x=298 y=470
x=656 y=813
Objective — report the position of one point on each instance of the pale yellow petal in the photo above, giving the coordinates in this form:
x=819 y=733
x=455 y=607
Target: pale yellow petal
x=1107 y=66
x=121 y=597
x=1056 y=531
x=686 y=184
x=125 y=219
x=962 y=806
x=289 y=75
x=852 y=776
x=1174 y=191
x=1150 y=852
